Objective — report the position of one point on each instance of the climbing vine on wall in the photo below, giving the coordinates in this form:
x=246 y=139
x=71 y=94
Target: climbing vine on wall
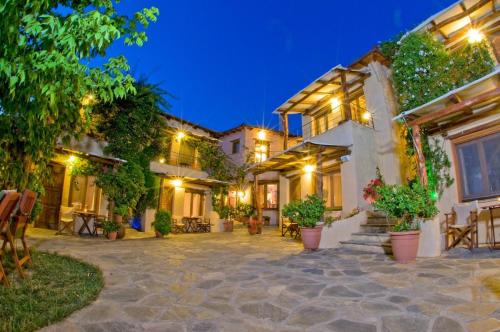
x=423 y=69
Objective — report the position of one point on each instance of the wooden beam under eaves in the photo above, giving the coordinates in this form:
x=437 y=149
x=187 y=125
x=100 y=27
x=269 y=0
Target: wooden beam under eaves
x=457 y=17
x=455 y=108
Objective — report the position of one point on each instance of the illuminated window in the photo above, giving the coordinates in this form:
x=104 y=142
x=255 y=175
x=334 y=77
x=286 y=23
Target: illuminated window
x=332 y=190
x=194 y=202
x=232 y=198
x=261 y=151
x=268 y=195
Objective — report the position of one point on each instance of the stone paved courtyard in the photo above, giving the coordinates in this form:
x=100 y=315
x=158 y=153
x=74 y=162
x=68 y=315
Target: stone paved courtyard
x=234 y=282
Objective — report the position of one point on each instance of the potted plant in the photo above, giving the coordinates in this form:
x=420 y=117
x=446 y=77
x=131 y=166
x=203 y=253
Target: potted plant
x=225 y=214
x=120 y=212
x=111 y=229
x=307 y=214
x=245 y=211
x=370 y=191
x=405 y=204
x=254 y=225
x=162 y=223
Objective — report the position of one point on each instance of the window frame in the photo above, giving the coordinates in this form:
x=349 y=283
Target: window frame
x=268 y=148
x=476 y=136
x=235 y=143
x=265 y=184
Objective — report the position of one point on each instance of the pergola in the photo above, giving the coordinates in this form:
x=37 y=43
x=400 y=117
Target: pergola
x=337 y=81
x=471 y=102
x=452 y=24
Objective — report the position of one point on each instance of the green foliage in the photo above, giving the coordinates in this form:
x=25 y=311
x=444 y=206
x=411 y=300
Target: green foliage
x=245 y=210
x=110 y=227
x=163 y=222
x=57 y=286
x=423 y=69
x=121 y=210
x=135 y=131
x=214 y=161
x=46 y=75
x=124 y=186
x=406 y=204
x=224 y=211
x=82 y=167
x=306 y=213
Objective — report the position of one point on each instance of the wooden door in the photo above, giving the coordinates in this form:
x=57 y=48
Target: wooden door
x=51 y=201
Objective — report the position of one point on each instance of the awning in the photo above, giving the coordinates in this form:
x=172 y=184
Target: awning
x=476 y=99
x=100 y=157
x=186 y=179
x=300 y=155
x=323 y=89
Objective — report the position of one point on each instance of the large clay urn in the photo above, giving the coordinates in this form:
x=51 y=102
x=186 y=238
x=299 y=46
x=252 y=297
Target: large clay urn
x=405 y=245
x=311 y=237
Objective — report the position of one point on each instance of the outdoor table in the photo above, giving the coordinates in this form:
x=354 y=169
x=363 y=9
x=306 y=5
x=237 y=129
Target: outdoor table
x=191 y=225
x=87 y=217
x=492 y=243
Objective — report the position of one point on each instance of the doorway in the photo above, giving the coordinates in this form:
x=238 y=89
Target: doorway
x=51 y=200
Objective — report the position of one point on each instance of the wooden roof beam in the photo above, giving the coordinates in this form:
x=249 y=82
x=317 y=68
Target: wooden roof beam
x=457 y=17
x=494 y=93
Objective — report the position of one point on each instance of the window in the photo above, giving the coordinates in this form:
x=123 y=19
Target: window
x=194 y=202
x=332 y=190
x=232 y=198
x=261 y=151
x=268 y=195
x=295 y=189
x=479 y=167
x=235 y=148
x=187 y=154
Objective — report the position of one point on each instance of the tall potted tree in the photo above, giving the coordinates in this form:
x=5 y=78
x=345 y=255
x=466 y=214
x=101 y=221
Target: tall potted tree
x=407 y=205
x=307 y=214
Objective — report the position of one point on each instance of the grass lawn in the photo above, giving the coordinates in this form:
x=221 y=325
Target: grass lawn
x=58 y=285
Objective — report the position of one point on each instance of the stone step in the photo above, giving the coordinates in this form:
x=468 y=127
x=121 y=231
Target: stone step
x=381 y=248
x=371 y=237
x=375 y=228
x=373 y=220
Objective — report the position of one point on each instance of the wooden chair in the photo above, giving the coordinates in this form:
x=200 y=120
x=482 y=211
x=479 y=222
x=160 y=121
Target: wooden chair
x=66 y=220
x=17 y=231
x=204 y=225
x=285 y=226
x=8 y=203
x=178 y=226
x=461 y=225
x=98 y=222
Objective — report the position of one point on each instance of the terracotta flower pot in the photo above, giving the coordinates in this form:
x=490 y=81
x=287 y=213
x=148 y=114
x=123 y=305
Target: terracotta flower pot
x=253 y=226
x=112 y=235
x=158 y=234
x=121 y=232
x=311 y=237
x=405 y=245
x=228 y=226
x=117 y=218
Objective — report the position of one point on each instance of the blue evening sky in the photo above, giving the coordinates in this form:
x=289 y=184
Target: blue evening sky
x=234 y=61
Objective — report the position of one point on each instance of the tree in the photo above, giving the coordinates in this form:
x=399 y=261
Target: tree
x=49 y=84
x=135 y=131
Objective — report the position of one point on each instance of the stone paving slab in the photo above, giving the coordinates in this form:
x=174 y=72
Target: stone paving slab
x=237 y=282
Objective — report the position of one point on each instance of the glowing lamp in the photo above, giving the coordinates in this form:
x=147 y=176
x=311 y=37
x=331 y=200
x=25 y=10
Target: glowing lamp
x=180 y=135
x=162 y=160
x=309 y=168
x=261 y=135
x=176 y=183
x=366 y=116
x=474 y=36
x=241 y=194
x=334 y=103
x=71 y=158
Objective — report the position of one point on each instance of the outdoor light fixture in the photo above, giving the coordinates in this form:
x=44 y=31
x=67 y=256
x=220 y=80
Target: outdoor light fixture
x=334 y=103
x=176 y=183
x=180 y=135
x=71 y=158
x=366 y=116
x=474 y=36
x=162 y=160
x=261 y=135
x=309 y=168
x=88 y=99
x=241 y=194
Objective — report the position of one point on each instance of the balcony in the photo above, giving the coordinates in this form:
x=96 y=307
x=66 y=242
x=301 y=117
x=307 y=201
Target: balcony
x=181 y=160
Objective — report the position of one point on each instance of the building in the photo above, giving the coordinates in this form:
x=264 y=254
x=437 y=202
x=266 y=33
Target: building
x=247 y=145
x=466 y=120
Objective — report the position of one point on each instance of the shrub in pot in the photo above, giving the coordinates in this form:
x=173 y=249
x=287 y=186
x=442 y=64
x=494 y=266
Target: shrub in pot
x=225 y=214
x=254 y=225
x=408 y=205
x=162 y=223
x=111 y=229
x=244 y=212
x=307 y=214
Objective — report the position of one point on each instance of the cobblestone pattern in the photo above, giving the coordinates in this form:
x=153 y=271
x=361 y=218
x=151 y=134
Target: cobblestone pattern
x=235 y=282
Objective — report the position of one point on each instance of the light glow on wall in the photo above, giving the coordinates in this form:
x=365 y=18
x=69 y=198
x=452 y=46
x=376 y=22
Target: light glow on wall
x=474 y=36
x=176 y=183
x=309 y=168
x=334 y=103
